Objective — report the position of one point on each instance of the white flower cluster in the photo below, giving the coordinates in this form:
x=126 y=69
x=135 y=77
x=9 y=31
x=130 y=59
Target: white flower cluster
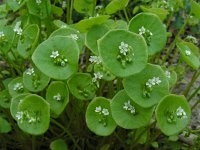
x=2 y=34
x=180 y=113
x=101 y=110
x=128 y=106
x=192 y=39
x=142 y=31
x=64 y=26
x=54 y=54
x=153 y=81
x=74 y=36
x=18 y=87
x=123 y=48
x=30 y=71
x=97 y=76
x=38 y=1
x=57 y=97
x=95 y=59
x=187 y=52
x=18 y=28
x=168 y=74
x=25 y=115
x=99 y=7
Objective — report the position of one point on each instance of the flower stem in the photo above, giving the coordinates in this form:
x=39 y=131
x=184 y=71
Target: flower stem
x=194 y=93
x=126 y=15
x=69 y=11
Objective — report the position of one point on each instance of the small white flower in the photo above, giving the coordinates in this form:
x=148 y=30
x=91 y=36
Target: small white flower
x=57 y=97
x=18 y=86
x=142 y=30
x=180 y=112
x=187 y=52
x=192 y=38
x=95 y=59
x=128 y=106
x=74 y=36
x=153 y=81
x=30 y=71
x=64 y=26
x=157 y=80
x=105 y=112
x=17 y=28
x=99 y=7
x=32 y=120
x=98 y=109
x=168 y=74
x=123 y=48
x=38 y=1
x=97 y=76
x=2 y=34
x=19 y=115
x=54 y=54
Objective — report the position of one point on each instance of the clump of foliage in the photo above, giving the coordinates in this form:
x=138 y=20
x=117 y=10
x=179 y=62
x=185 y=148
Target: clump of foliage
x=97 y=74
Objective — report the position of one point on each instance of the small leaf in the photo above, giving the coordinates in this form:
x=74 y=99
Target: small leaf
x=195 y=8
x=57 y=96
x=116 y=5
x=15 y=4
x=99 y=118
x=173 y=114
x=84 y=6
x=58 y=144
x=5 y=126
x=5 y=98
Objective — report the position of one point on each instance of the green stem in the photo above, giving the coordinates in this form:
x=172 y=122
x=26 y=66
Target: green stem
x=94 y=5
x=194 y=93
x=194 y=106
x=172 y=45
x=194 y=78
x=126 y=15
x=33 y=142
x=67 y=132
x=69 y=11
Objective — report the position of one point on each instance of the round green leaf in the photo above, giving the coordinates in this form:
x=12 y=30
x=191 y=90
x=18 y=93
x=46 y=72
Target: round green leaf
x=5 y=126
x=57 y=96
x=136 y=86
x=86 y=24
x=16 y=4
x=41 y=9
x=35 y=115
x=58 y=144
x=84 y=6
x=28 y=40
x=16 y=87
x=109 y=50
x=34 y=80
x=95 y=33
x=5 y=99
x=192 y=59
x=15 y=103
x=152 y=23
x=81 y=86
x=66 y=47
x=116 y=5
x=74 y=34
x=100 y=122
x=128 y=114
x=176 y=107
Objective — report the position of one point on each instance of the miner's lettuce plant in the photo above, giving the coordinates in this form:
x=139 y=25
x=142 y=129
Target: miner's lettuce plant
x=74 y=71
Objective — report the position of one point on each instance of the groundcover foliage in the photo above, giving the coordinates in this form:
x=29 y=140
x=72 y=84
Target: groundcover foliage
x=98 y=74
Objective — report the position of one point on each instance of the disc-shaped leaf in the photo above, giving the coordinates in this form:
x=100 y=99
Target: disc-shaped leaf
x=125 y=61
x=15 y=103
x=5 y=99
x=58 y=97
x=128 y=114
x=151 y=23
x=99 y=118
x=74 y=34
x=41 y=8
x=33 y=115
x=28 y=41
x=189 y=54
x=95 y=33
x=116 y=5
x=81 y=86
x=16 y=87
x=58 y=144
x=148 y=87
x=7 y=40
x=173 y=114
x=58 y=47
x=86 y=24
x=16 y=4
x=34 y=80
x=84 y=6
x=5 y=126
